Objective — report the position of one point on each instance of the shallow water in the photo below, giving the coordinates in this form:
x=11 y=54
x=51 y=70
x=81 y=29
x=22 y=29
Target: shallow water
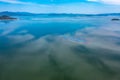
x=67 y=48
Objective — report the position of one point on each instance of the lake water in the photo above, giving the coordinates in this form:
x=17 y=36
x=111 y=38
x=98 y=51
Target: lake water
x=60 y=48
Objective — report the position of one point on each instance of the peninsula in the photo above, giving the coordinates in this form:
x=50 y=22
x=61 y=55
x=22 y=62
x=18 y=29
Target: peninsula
x=5 y=17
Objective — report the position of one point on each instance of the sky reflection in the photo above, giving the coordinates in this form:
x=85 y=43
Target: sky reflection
x=91 y=51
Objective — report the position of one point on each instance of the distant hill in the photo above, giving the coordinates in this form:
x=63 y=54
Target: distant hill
x=54 y=14
x=16 y=13
x=109 y=14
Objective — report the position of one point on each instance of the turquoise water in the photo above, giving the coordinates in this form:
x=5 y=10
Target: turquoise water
x=60 y=48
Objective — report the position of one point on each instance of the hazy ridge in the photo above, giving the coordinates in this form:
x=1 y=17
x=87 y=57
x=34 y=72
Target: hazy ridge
x=54 y=14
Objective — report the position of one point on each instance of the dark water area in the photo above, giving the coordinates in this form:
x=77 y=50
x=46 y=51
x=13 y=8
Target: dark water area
x=63 y=48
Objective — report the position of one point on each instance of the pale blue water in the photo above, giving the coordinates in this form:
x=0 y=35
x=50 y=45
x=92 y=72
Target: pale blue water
x=60 y=48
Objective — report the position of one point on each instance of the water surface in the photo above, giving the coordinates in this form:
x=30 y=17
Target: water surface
x=63 y=48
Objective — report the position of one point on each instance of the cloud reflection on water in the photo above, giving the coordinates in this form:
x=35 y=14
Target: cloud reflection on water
x=102 y=37
x=91 y=52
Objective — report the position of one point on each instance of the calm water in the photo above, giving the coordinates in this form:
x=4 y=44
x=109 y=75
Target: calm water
x=67 y=48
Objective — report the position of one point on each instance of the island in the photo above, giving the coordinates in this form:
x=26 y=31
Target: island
x=115 y=19
x=5 y=17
